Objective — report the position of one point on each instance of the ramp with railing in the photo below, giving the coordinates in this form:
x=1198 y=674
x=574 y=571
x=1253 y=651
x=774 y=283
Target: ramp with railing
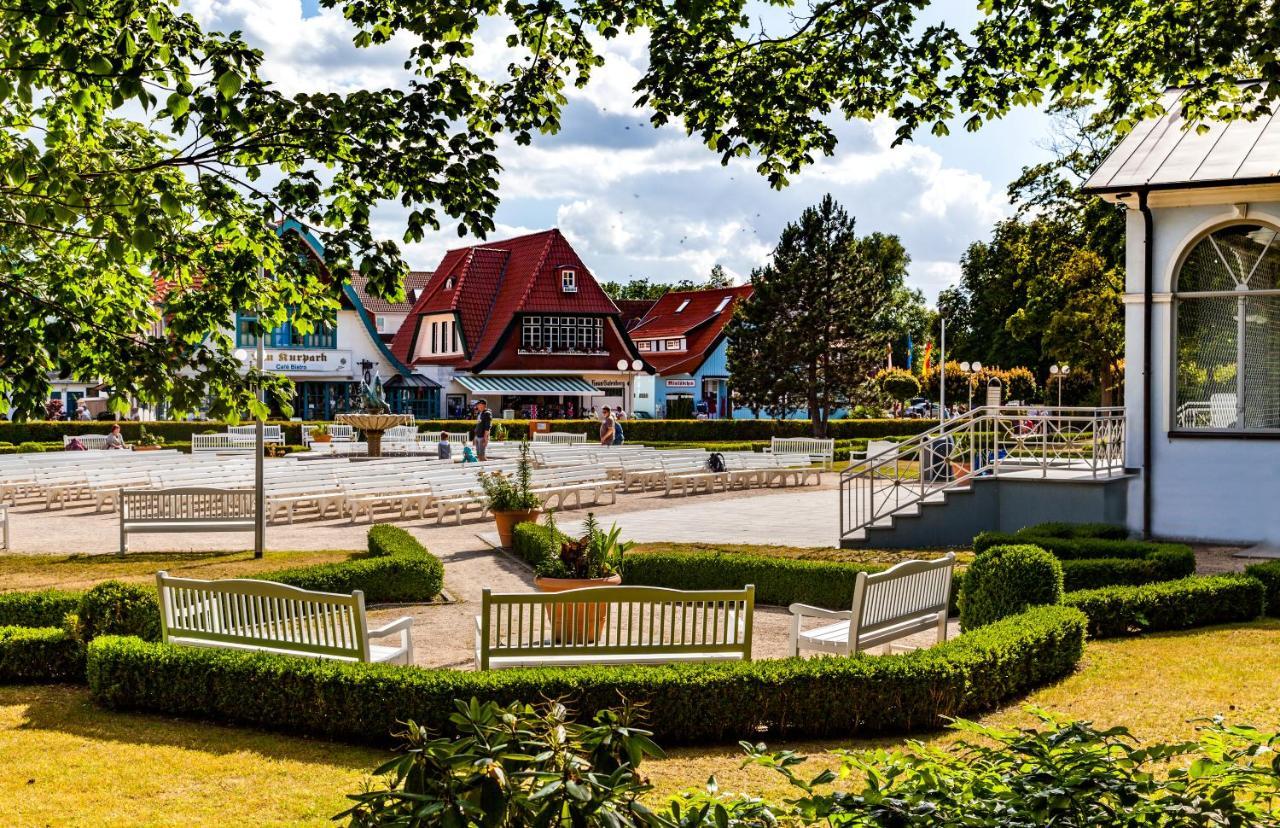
x=1028 y=442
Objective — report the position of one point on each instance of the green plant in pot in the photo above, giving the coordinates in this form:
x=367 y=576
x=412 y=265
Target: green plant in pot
x=510 y=497
x=147 y=441
x=593 y=560
x=320 y=434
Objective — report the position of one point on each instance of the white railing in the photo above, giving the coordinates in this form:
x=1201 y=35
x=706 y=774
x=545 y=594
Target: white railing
x=1030 y=441
x=562 y=438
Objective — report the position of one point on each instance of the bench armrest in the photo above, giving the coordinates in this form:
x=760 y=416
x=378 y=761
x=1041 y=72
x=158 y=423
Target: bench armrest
x=807 y=611
x=399 y=625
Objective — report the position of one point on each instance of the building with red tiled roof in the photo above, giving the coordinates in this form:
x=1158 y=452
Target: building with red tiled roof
x=523 y=324
x=683 y=338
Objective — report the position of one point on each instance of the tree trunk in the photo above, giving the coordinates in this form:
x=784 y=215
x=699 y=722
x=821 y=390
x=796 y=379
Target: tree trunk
x=1108 y=395
x=812 y=393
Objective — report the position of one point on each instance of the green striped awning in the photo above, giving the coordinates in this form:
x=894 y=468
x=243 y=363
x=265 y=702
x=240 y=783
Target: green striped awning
x=569 y=386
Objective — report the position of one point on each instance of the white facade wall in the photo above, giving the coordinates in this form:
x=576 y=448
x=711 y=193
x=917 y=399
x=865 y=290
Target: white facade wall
x=1203 y=488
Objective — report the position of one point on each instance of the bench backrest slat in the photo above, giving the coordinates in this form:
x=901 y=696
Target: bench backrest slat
x=622 y=620
x=909 y=590
x=203 y=504
x=262 y=614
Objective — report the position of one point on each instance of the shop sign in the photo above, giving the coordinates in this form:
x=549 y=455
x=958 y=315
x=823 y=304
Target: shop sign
x=304 y=361
x=603 y=384
x=681 y=383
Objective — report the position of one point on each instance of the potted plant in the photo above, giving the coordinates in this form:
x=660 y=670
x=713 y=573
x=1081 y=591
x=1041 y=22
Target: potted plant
x=320 y=434
x=593 y=560
x=511 y=499
x=147 y=441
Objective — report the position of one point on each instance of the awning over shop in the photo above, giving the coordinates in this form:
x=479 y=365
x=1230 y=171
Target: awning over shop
x=411 y=381
x=568 y=386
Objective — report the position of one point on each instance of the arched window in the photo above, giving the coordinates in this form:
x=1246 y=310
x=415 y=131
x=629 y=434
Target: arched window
x=1227 y=307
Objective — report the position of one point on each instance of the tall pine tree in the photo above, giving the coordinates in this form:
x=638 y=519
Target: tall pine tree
x=815 y=329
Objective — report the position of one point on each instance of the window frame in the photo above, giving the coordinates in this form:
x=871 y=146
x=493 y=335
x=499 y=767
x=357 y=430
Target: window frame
x=568 y=280
x=1176 y=298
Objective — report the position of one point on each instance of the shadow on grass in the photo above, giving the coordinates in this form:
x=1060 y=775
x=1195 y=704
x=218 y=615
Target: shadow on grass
x=70 y=710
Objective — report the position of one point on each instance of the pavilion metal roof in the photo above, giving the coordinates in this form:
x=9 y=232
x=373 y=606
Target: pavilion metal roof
x=1163 y=153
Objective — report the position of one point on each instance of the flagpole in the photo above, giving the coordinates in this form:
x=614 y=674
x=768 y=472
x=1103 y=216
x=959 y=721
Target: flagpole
x=942 y=373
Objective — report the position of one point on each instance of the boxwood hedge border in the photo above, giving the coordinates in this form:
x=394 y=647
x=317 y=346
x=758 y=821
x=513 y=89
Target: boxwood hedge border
x=684 y=703
x=1092 y=561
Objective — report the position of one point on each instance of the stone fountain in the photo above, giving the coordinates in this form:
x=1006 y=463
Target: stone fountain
x=375 y=416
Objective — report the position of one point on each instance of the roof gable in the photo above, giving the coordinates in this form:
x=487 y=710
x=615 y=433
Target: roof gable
x=701 y=323
x=487 y=285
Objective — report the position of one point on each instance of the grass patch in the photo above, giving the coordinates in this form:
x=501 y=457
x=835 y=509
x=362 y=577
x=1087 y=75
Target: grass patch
x=1227 y=669
x=70 y=762
x=805 y=553
x=31 y=572
x=117 y=768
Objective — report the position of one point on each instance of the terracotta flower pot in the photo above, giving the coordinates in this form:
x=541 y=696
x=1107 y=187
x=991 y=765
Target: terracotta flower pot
x=137 y=447
x=506 y=523
x=579 y=623
x=322 y=438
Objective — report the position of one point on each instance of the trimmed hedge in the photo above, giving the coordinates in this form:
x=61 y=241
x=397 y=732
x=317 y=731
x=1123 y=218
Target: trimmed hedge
x=1269 y=574
x=1006 y=580
x=46 y=608
x=1171 y=605
x=1062 y=529
x=778 y=581
x=397 y=570
x=1094 y=562
x=685 y=703
x=532 y=542
x=40 y=654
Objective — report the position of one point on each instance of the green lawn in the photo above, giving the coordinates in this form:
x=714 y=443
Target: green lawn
x=68 y=762
x=806 y=553
x=29 y=572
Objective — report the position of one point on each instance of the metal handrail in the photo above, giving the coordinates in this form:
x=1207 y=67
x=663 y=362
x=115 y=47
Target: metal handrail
x=984 y=442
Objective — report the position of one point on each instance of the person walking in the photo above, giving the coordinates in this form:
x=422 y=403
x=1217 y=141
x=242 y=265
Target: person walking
x=606 y=427
x=484 y=424
x=617 y=427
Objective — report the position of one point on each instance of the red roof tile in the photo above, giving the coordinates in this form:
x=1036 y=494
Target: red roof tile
x=415 y=280
x=488 y=284
x=700 y=323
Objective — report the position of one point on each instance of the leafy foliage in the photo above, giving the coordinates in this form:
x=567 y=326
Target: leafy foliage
x=515 y=765
x=45 y=608
x=1269 y=574
x=1068 y=774
x=40 y=654
x=1006 y=580
x=642 y=288
x=898 y=384
x=597 y=554
x=814 y=330
x=1090 y=561
x=115 y=608
x=507 y=493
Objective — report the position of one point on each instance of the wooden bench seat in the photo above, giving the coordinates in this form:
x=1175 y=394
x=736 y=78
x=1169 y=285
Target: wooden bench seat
x=262 y=616
x=613 y=625
x=185 y=510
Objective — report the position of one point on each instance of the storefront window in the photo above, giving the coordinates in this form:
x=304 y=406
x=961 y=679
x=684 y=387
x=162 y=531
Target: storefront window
x=1227 y=306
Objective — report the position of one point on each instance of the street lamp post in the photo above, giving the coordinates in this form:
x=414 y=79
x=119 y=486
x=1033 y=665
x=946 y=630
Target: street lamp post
x=260 y=495
x=1059 y=372
x=629 y=394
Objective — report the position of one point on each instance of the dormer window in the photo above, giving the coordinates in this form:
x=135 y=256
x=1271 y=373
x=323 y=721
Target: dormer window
x=683 y=305
x=568 y=281
x=448 y=283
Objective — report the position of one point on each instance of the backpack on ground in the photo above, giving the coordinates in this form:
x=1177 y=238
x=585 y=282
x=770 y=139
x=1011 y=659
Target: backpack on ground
x=715 y=462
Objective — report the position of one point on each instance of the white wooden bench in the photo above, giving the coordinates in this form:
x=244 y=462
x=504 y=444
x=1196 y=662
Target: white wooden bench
x=262 y=616
x=4 y=528
x=90 y=441
x=270 y=433
x=185 y=510
x=223 y=443
x=688 y=474
x=559 y=438
x=613 y=625
x=818 y=450
x=905 y=599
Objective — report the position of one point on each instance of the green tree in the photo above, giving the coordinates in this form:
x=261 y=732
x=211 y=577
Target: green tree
x=642 y=288
x=814 y=328
x=144 y=165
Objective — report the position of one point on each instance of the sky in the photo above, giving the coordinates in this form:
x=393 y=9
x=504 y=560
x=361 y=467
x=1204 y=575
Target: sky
x=636 y=201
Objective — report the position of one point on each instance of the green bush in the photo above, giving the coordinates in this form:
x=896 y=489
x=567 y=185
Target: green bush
x=685 y=703
x=396 y=570
x=46 y=608
x=533 y=543
x=1269 y=574
x=1063 y=529
x=1170 y=605
x=1006 y=580
x=1094 y=562
x=29 y=447
x=40 y=654
x=115 y=608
